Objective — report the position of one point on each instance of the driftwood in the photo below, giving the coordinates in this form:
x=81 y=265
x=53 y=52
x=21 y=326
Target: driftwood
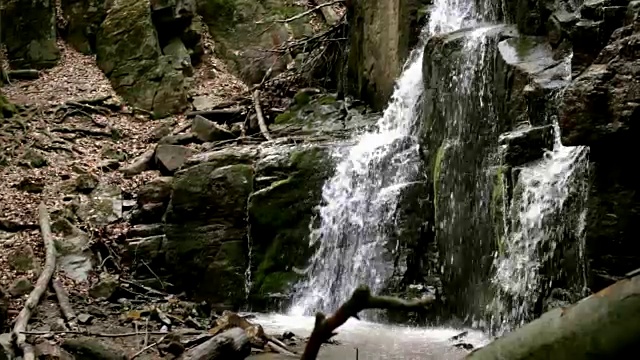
x=361 y=299
x=41 y=285
x=263 y=126
x=605 y=325
x=232 y=344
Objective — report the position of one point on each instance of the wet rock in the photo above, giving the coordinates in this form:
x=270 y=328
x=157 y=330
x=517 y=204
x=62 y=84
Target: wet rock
x=29 y=34
x=83 y=22
x=20 y=286
x=23 y=259
x=86 y=348
x=206 y=228
x=134 y=63
x=105 y=288
x=45 y=350
x=280 y=211
x=526 y=144
x=170 y=158
x=207 y=130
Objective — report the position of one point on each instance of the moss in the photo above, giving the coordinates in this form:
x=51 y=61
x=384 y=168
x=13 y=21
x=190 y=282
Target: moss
x=302 y=98
x=524 y=45
x=275 y=282
x=7 y=109
x=285 y=117
x=326 y=100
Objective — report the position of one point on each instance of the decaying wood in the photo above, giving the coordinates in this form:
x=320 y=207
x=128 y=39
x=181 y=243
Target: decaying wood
x=361 y=299
x=605 y=325
x=263 y=126
x=41 y=285
x=23 y=74
x=65 y=305
x=229 y=345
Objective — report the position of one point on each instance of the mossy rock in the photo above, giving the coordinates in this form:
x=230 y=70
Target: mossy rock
x=280 y=214
x=7 y=108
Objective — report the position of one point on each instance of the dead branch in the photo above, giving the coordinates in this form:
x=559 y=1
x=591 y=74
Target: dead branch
x=41 y=285
x=65 y=305
x=147 y=347
x=219 y=115
x=305 y=13
x=263 y=126
x=84 y=131
x=109 y=335
x=231 y=344
x=360 y=300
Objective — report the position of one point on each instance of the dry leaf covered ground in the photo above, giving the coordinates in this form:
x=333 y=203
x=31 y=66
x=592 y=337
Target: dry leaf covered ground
x=52 y=142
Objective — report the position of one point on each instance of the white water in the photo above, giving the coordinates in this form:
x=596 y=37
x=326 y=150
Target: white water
x=360 y=200
x=379 y=342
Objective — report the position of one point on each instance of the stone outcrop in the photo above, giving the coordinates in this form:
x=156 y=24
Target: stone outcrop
x=381 y=34
x=83 y=22
x=600 y=110
x=29 y=33
x=230 y=225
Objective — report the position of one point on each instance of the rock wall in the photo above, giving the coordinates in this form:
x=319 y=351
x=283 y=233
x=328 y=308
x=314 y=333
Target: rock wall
x=381 y=34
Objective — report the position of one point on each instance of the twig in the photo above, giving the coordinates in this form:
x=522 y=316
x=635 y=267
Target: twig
x=147 y=348
x=146 y=288
x=65 y=305
x=360 y=300
x=263 y=127
x=305 y=13
x=154 y=274
x=41 y=285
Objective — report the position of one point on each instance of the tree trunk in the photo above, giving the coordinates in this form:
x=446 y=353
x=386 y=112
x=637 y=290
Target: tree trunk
x=605 y=325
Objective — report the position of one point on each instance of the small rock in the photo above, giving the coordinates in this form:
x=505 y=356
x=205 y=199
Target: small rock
x=30 y=186
x=105 y=288
x=59 y=325
x=86 y=348
x=140 y=164
x=85 y=183
x=288 y=335
x=96 y=311
x=148 y=213
x=47 y=351
x=34 y=159
x=21 y=286
x=161 y=131
x=170 y=158
x=207 y=130
x=6 y=347
x=109 y=165
x=23 y=259
x=157 y=190
x=193 y=323
x=201 y=103
x=85 y=319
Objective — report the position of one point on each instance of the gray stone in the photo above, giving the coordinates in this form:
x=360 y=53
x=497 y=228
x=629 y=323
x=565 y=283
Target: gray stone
x=204 y=102
x=83 y=22
x=157 y=190
x=23 y=259
x=105 y=288
x=182 y=60
x=20 y=286
x=103 y=205
x=85 y=319
x=207 y=130
x=170 y=158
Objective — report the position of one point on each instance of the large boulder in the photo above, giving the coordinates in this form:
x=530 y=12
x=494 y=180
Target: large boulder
x=29 y=33
x=206 y=231
x=129 y=53
x=289 y=186
x=83 y=22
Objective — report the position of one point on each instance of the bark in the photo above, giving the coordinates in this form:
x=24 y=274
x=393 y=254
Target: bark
x=230 y=345
x=41 y=285
x=605 y=325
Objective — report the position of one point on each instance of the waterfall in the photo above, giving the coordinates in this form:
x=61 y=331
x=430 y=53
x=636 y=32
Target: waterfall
x=449 y=137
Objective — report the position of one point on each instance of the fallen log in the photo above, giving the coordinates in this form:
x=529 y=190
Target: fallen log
x=23 y=74
x=263 y=126
x=361 y=299
x=605 y=325
x=232 y=344
x=41 y=285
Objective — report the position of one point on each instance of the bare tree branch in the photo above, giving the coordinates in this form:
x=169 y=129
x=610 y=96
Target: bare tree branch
x=360 y=300
x=305 y=13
